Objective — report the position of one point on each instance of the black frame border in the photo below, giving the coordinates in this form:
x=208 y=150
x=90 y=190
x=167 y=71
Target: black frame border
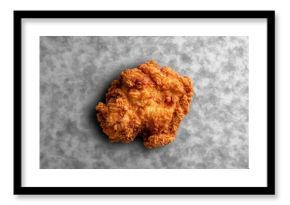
x=268 y=190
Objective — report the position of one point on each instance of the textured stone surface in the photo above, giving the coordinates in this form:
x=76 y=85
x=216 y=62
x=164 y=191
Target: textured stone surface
x=75 y=73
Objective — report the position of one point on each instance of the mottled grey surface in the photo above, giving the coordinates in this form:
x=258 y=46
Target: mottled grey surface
x=75 y=73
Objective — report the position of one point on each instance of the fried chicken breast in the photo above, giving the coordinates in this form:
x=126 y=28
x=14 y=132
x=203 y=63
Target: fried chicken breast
x=148 y=101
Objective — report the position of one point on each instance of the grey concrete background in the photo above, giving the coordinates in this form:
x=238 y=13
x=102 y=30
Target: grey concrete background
x=75 y=73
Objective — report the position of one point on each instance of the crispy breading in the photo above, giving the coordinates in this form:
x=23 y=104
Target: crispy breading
x=148 y=101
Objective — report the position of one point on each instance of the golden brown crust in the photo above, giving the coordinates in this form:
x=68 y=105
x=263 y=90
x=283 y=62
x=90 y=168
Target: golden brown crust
x=148 y=101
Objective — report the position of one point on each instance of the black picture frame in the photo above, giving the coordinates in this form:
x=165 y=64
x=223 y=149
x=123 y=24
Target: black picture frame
x=268 y=190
